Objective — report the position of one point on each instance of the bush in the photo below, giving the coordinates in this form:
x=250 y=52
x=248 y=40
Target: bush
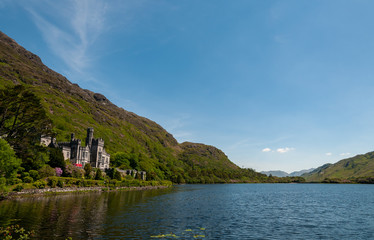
x=40 y=184
x=113 y=182
x=18 y=188
x=117 y=175
x=60 y=183
x=89 y=183
x=77 y=173
x=99 y=175
x=46 y=171
x=24 y=174
x=78 y=182
x=34 y=174
x=52 y=182
x=13 y=181
x=2 y=181
x=87 y=171
x=28 y=179
x=58 y=171
x=73 y=171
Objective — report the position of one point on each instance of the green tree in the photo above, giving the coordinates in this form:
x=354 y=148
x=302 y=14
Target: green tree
x=9 y=163
x=46 y=171
x=22 y=121
x=56 y=158
x=117 y=175
x=99 y=174
x=120 y=159
x=87 y=170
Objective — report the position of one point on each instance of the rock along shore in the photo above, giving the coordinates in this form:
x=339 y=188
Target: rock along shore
x=53 y=191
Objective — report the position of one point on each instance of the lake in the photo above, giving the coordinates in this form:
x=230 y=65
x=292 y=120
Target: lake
x=227 y=211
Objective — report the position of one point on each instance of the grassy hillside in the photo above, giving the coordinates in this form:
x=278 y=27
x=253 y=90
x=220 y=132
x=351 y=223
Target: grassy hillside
x=360 y=166
x=73 y=110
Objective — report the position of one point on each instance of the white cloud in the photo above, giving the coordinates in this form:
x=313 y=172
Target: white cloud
x=345 y=154
x=70 y=29
x=284 y=150
x=266 y=150
x=328 y=154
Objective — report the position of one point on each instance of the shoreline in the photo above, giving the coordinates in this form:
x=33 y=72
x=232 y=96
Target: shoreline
x=57 y=191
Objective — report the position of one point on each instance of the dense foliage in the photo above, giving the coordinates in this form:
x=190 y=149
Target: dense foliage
x=9 y=163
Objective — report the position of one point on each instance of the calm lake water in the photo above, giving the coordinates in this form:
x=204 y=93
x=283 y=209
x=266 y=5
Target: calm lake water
x=229 y=211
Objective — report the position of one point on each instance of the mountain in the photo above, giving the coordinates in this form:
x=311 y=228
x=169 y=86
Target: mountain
x=276 y=173
x=360 y=166
x=279 y=173
x=301 y=172
x=73 y=109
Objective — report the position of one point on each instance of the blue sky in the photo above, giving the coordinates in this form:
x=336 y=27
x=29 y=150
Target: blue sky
x=277 y=85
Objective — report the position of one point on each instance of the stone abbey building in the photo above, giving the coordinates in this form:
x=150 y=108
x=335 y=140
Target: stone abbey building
x=93 y=153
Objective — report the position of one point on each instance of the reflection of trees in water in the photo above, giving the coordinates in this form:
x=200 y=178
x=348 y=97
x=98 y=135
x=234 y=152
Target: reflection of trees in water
x=58 y=216
x=78 y=215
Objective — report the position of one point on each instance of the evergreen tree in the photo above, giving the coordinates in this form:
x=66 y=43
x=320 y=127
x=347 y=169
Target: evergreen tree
x=117 y=175
x=56 y=158
x=22 y=121
x=87 y=170
x=99 y=174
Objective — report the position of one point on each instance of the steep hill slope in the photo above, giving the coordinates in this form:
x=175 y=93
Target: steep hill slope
x=355 y=167
x=73 y=110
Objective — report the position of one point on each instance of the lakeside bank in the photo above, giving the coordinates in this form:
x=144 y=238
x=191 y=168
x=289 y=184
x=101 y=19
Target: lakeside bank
x=56 y=191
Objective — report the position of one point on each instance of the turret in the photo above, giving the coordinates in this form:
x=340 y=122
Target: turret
x=89 y=137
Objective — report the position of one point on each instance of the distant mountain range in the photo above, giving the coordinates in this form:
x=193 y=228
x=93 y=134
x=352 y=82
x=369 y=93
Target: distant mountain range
x=355 y=167
x=278 y=173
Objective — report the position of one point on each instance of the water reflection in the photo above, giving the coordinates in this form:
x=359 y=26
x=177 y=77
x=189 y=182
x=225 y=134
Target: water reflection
x=76 y=215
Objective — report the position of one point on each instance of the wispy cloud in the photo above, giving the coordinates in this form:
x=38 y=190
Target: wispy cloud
x=328 y=154
x=70 y=28
x=284 y=150
x=177 y=126
x=266 y=150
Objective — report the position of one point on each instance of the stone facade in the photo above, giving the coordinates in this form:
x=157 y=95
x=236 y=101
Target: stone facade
x=132 y=172
x=93 y=153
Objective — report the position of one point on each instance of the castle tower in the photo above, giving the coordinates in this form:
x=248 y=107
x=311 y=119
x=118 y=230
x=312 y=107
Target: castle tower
x=89 y=137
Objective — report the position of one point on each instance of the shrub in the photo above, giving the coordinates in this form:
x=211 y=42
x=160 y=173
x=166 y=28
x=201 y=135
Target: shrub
x=46 y=171
x=77 y=173
x=52 y=182
x=73 y=171
x=13 y=181
x=113 y=182
x=99 y=174
x=79 y=182
x=117 y=175
x=87 y=170
x=60 y=183
x=40 y=184
x=28 y=179
x=24 y=174
x=18 y=188
x=34 y=174
x=58 y=171
x=2 y=181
